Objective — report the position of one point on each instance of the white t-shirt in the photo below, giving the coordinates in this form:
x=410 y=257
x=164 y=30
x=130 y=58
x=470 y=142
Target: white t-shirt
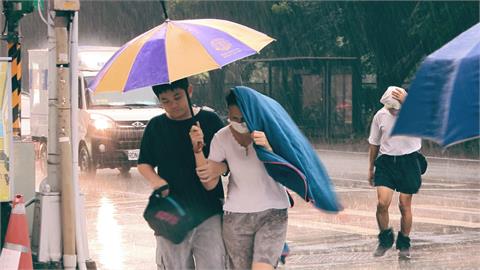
x=382 y=126
x=250 y=188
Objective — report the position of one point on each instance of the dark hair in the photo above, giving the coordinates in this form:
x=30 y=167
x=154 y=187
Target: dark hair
x=231 y=99
x=161 y=88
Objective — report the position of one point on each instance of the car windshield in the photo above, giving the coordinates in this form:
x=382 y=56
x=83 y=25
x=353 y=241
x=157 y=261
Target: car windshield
x=142 y=97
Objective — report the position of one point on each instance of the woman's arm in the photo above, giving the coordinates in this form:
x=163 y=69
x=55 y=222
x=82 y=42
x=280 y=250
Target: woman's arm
x=260 y=139
x=209 y=171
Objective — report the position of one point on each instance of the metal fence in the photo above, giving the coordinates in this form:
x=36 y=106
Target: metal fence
x=322 y=94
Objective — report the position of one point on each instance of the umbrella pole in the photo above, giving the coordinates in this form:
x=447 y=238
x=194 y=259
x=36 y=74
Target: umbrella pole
x=189 y=104
x=164 y=10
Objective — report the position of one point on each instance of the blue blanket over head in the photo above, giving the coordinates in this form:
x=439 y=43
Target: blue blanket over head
x=294 y=163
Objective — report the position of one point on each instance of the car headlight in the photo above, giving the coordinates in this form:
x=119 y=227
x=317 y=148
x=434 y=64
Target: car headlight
x=101 y=122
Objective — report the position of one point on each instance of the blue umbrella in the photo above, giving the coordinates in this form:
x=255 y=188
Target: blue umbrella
x=443 y=103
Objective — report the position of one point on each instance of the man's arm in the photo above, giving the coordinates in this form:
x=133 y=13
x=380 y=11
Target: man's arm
x=196 y=136
x=372 y=155
x=155 y=181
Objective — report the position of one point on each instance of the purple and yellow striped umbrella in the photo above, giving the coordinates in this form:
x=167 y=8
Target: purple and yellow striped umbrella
x=175 y=50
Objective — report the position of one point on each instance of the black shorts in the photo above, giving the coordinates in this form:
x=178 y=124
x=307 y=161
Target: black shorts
x=400 y=173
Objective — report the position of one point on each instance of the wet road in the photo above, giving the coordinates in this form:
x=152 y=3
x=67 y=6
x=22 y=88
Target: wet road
x=445 y=233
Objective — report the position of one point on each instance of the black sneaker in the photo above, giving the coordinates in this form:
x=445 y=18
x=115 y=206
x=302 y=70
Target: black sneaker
x=385 y=242
x=403 y=245
x=404 y=254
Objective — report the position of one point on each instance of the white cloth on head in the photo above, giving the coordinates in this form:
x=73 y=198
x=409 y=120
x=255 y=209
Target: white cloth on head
x=387 y=99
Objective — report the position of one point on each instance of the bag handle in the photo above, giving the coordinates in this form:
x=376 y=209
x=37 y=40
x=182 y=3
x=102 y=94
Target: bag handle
x=158 y=192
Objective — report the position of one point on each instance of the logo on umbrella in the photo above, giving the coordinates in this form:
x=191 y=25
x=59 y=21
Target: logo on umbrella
x=220 y=44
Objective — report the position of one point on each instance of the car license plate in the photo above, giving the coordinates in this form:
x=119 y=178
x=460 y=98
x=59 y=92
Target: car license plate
x=133 y=154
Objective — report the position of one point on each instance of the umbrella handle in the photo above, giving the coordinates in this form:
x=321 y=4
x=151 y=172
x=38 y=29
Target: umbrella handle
x=164 y=10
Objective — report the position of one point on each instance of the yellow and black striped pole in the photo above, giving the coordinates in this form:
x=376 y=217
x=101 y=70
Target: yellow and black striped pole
x=14 y=10
x=14 y=51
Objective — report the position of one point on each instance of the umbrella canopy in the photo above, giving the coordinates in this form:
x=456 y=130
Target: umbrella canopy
x=175 y=50
x=443 y=103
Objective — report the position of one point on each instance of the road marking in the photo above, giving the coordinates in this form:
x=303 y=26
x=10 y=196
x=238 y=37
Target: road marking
x=117 y=203
x=348 y=189
x=442 y=185
x=470 y=211
x=331 y=227
x=450 y=189
x=424 y=182
x=436 y=221
x=344 y=152
x=429 y=157
x=369 y=189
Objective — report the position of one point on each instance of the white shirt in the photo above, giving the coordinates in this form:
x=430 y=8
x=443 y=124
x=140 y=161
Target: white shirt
x=250 y=188
x=382 y=126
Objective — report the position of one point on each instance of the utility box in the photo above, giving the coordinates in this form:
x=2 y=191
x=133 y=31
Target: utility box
x=24 y=174
x=66 y=5
x=47 y=236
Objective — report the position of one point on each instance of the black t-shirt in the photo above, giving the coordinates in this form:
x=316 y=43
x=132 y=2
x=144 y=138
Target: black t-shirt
x=166 y=145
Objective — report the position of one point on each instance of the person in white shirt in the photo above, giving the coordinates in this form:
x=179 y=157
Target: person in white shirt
x=255 y=209
x=398 y=168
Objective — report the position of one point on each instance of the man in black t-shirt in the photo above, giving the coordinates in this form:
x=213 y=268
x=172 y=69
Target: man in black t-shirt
x=166 y=145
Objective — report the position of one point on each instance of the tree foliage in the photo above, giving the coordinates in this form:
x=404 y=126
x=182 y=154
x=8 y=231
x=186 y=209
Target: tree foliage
x=391 y=38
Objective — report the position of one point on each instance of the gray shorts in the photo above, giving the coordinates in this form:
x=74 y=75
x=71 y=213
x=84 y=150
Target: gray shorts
x=254 y=237
x=202 y=249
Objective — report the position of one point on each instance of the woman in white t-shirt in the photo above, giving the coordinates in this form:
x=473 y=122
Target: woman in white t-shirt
x=255 y=209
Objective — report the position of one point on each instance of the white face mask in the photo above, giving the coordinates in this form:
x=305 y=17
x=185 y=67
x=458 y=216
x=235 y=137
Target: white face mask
x=239 y=127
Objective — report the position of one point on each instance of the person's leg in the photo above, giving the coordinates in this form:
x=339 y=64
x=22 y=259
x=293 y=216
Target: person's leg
x=410 y=170
x=385 y=237
x=174 y=256
x=207 y=243
x=403 y=239
x=269 y=238
x=384 y=197
x=238 y=236
x=405 y=205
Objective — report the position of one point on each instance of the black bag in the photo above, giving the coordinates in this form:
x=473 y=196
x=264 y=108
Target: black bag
x=422 y=161
x=167 y=217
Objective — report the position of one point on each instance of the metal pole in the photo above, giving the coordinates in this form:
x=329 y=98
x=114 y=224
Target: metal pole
x=326 y=99
x=53 y=154
x=82 y=247
x=12 y=18
x=14 y=11
x=270 y=77
x=64 y=138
